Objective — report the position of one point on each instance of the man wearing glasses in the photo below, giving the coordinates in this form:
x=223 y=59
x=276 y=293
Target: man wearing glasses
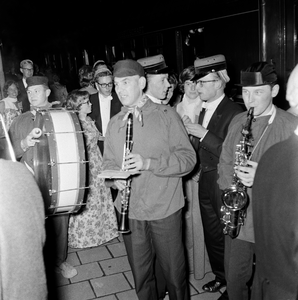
x=217 y=112
x=26 y=68
x=105 y=103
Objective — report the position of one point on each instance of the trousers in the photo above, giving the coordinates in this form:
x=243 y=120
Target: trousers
x=160 y=239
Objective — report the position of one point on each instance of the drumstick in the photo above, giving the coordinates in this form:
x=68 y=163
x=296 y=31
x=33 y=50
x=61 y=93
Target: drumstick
x=36 y=133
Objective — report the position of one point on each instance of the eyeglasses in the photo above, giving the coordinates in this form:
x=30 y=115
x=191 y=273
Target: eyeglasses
x=105 y=85
x=202 y=82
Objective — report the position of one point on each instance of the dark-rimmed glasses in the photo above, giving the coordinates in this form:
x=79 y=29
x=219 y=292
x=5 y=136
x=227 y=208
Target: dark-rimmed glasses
x=105 y=85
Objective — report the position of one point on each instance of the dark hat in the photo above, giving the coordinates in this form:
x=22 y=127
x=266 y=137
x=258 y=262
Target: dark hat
x=127 y=67
x=154 y=64
x=204 y=66
x=259 y=73
x=26 y=61
x=37 y=80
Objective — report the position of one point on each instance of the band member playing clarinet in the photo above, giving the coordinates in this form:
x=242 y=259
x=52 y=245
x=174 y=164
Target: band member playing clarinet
x=162 y=154
x=269 y=126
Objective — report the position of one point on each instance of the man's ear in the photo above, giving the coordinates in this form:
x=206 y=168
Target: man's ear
x=48 y=92
x=275 y=90
x=142 y=82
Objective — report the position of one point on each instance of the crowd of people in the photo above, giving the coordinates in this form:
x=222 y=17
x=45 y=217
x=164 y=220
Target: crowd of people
x=186 y=138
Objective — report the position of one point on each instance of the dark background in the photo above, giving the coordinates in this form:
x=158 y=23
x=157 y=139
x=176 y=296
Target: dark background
x=56 y=33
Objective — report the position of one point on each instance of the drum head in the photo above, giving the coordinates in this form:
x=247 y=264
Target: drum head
x=59 y=161
x=41 y=163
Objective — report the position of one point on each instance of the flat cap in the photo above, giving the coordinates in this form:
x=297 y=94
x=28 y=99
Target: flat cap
x=127 y=67
x=154 y=64
x=37 y=80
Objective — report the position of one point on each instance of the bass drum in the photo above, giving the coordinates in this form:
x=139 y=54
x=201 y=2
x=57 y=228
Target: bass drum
x=60 y=162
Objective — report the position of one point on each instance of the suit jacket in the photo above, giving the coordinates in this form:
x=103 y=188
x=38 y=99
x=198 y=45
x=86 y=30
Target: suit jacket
x=209 y=149
x=22 y=96
x=95 y=114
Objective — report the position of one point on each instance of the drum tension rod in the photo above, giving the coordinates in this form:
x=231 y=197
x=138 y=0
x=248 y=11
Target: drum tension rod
x=51 y=192
x=62 y=206
x=52 y=163
x=50 y=133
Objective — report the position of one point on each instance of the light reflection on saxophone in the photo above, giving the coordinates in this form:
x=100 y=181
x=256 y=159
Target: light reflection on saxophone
x=235 y=197
x=123 y=226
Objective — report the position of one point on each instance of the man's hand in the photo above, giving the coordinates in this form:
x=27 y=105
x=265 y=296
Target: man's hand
x=196 y=130
x=120 y=184
x=247 y=174
x=135 y=162
x=31 y=139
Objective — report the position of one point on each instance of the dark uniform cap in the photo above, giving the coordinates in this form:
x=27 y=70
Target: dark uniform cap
x=260 y=73
x=204 y=66
x=127 y=67
x=154 y=64
x=37 y=80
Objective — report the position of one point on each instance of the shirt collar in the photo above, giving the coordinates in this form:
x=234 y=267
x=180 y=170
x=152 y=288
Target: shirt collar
x=153 y=99
x=212 y=105
x=103 y=98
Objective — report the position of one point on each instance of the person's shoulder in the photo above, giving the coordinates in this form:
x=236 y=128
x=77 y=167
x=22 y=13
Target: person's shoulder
x=94 y=96
x=165 y=111
x=286 y=117
x=228 y=102
x=23 y=117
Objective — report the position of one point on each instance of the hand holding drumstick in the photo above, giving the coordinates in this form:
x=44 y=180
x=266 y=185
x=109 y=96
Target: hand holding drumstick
x=31 y=139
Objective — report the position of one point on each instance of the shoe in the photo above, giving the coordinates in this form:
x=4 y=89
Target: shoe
x=66 y=270
x=224 y=296
x=213 y=286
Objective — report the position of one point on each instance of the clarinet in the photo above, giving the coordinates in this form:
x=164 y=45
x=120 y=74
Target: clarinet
x=125 y=193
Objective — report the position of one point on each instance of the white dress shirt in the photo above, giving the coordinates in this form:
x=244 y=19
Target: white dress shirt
x=105 y=111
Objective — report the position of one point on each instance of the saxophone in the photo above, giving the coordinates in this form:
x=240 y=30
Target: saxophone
x=125 y=193
x=235 y=198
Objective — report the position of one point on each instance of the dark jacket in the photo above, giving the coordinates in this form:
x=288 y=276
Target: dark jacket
x=95 y=114
x=209 y=149
x=22 y=96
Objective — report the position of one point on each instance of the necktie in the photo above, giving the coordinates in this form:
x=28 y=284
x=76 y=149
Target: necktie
x=201 y=117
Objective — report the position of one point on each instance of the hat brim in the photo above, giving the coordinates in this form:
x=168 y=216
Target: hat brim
x=164 y=70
